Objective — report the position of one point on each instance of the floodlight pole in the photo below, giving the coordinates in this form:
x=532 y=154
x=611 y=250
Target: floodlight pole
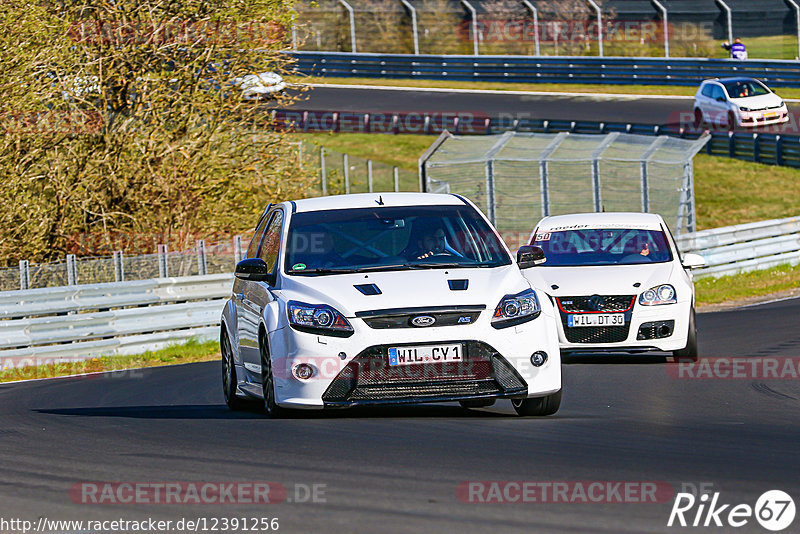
x=797 y=21
x=535 y=13
x=352 y=14
x=474 y=25
x=727 y=10
x=663 y=10
x=414 y=31
x=599 y=25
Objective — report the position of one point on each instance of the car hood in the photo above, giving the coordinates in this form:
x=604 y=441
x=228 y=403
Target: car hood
x=599 y=280
x=405 y=289
x=758 y=102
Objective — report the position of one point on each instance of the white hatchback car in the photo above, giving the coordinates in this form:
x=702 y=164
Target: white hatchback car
x=384 y=299
x=732 y=102
x=618 y=282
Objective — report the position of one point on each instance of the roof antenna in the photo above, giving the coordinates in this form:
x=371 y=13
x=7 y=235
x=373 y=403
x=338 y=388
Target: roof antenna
x=380 y=200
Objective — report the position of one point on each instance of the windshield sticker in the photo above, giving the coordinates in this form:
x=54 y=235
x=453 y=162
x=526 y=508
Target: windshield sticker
x=543 y=237
x=298 y=267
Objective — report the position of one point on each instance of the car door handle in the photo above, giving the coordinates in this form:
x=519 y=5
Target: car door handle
x=239 y=296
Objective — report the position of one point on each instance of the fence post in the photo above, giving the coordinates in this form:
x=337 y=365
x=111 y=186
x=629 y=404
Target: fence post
x=396 y=179
x=24 y=274
x=119 y=269
x=322 y=170
x=237 y=249
x=346 y=163
x=72 y=271
x=163 y=267
x=756 y=148
x=369 y=174
x=731 y=145
x=778 y=150
x=645 y=188
x=491 y=206
x=202 y=266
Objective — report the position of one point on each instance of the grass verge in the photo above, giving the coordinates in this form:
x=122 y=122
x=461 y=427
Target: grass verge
x=745 y=285
x=190 y=352
x=660 y=90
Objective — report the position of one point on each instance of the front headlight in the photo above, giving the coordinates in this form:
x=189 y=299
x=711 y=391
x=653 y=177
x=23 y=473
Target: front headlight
x=663 y=294
x=742 y=108
x=516 y=309
x=318 y=319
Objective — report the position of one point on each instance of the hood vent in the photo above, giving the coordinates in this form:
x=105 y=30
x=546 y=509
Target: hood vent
x=368 y=289
x=458 y=285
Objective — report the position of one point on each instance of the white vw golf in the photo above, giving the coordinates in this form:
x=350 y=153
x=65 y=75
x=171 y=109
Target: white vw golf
x=386 y=298
x=618 y=282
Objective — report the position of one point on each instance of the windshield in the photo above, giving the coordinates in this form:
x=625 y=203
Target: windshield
x=391 y=238
x=745 y=88
x=591 y=246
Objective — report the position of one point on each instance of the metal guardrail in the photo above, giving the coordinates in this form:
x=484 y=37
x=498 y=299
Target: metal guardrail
x=773 y=149
x=745 y=247
x=540 y=69
x=51 y=324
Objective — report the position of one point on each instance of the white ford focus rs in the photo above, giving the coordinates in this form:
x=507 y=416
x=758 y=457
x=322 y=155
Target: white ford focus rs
x=381 y=299
x=618 y=282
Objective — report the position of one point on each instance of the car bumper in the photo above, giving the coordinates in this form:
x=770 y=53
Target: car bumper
x=758 y=119
x=645 y=330
x=496 y=365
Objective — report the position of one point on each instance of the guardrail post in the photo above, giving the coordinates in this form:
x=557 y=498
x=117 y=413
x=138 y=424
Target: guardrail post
x=24 y=274
x=119 y=268
x=72 y=271
x=237 y=249
x=778 y=150
x=396 y=174
x=731 y=145
x=369 y=174
x=163 y=267
x=202 y=266
x=346 y=164
x=756 y=148
x=324 y=177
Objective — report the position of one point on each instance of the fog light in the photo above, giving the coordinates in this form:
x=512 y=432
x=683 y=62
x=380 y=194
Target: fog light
x=538 y=358
x=303 y=371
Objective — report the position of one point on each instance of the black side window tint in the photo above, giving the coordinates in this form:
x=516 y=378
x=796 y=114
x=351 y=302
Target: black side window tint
x=272 y=241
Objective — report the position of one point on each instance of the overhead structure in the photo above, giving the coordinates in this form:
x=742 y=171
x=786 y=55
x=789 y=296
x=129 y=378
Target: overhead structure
x=352 y=15
x=414 y=27
x=796 y=9
x=517 y=178
x=665 y=20
x=599 y=26
x=729 y=17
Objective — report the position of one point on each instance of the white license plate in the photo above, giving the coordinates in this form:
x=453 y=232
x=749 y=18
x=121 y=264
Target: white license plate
x=425 y=354
x=597 y=319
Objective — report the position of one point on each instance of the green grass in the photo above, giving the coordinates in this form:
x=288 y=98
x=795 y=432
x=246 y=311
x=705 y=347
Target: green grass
x=397 y=150
x=752 y=284
x=670 y=90
x=189 y=352
x=730 y=191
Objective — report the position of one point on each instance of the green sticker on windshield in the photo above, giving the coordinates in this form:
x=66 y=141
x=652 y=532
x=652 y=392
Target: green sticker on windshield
x=298 y=266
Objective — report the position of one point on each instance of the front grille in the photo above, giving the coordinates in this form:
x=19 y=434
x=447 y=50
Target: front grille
x=596 y=303
x=369 y=378
x=656 y=330
x=404 y=317
x=597 y=334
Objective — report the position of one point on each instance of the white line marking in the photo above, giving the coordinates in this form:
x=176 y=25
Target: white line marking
x=612 y=96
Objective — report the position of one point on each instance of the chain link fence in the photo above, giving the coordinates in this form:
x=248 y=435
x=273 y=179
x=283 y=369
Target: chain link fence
x=517 y=178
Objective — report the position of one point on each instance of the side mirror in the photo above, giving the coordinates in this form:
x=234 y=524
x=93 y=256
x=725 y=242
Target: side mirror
x=529 y=256
x=693 y=261
x=254 y=270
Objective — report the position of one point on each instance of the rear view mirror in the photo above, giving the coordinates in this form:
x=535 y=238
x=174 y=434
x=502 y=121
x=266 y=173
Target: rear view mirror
x=693 y=261
x=254 y=270
x=529 y=256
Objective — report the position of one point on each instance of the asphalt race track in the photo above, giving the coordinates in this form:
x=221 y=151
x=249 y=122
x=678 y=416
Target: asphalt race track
x=398 y=469
x=626 y=109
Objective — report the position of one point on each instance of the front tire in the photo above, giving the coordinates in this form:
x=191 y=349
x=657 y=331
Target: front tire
x=538 y=406
x=271 y=408
x=689 y=352
x=229 y=379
